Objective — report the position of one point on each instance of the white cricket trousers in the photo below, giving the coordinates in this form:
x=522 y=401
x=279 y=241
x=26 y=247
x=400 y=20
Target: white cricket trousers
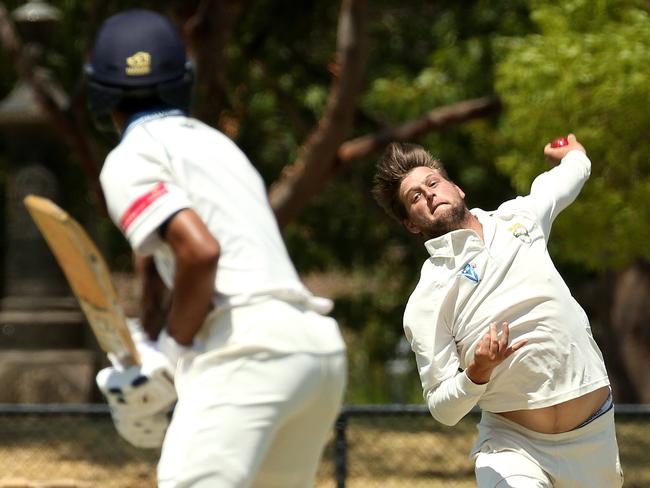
x=253 y=418
x=511 y=456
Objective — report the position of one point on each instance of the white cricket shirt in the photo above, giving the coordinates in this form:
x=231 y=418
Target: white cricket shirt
x=466 y=284
x=167 y=162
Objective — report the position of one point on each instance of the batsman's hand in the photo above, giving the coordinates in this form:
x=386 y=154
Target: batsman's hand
x=491 y=351
x=174 y=351
x=164 y=353
x=555 y=154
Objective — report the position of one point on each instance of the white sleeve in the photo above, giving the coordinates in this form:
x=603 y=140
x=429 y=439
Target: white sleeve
x=450 y=394
x=554 y=190
x=140 y=195
x=452 y=399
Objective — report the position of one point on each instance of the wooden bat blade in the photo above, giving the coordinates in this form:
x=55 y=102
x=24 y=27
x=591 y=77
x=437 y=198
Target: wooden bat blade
x=88 y=276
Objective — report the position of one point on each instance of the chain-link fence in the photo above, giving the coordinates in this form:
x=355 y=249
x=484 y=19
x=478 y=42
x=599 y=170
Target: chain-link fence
x=76 y=446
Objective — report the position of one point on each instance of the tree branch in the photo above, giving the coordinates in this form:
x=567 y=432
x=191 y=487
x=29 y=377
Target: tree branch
x=437 y=119
x=309 y=174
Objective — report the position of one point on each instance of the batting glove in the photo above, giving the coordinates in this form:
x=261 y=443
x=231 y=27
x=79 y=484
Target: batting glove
x=139 y=402
x=174 y=351
x=140 y=397
x=144 y=432
x=151 y=358
x=163 y=353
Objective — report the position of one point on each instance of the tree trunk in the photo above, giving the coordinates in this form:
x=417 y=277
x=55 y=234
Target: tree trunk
x=313 y=169
x=629 y=321
x=208 y=32
x=618 y=305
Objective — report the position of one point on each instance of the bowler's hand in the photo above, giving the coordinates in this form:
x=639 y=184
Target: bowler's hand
x=555 y=154
x=491 y=351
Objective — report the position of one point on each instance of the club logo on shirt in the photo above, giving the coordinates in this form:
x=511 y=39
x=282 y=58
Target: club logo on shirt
x=469 y=272
x=520 y=232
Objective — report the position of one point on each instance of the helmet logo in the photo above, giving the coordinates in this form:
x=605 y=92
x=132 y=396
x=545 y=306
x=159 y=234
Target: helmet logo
x=139 y=64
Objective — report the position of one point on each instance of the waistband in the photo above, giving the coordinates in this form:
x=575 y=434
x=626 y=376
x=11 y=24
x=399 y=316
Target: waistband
x=604 y=408
x=294 y=295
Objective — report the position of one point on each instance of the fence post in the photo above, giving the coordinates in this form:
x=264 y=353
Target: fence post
x=340 y=450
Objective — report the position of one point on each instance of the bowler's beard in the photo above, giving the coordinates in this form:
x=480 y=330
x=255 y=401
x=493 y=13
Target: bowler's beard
x=453 y=217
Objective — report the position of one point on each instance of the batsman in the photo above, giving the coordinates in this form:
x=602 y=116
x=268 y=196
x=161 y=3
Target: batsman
x=258 y=367
x=492 y=323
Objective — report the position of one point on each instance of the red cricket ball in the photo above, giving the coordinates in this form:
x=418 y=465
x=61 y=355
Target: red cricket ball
x=562 y=141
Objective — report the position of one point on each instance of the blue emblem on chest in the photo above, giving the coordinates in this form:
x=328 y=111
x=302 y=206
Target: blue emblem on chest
x=470 y=273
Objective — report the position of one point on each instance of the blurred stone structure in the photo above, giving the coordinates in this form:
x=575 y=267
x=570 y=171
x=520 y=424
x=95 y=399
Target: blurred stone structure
x=42 y=331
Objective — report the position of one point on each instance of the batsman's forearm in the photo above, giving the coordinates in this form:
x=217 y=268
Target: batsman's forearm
x=154 y=300
x=191 y=299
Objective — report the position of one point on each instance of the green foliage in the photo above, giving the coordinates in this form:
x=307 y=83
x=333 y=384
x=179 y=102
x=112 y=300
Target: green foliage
x=590 y=77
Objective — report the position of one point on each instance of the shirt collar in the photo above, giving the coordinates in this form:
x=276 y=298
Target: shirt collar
x=454 y=243
x=140 y=118
x=458 y=242
x=489 y=225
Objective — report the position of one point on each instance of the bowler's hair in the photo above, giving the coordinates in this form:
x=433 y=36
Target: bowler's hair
x=398 y=161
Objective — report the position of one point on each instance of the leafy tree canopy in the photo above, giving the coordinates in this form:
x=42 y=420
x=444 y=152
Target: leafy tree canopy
x=586 y=71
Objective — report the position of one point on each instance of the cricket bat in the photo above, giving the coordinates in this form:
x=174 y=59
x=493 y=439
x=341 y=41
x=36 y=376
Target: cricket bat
x=88 y=276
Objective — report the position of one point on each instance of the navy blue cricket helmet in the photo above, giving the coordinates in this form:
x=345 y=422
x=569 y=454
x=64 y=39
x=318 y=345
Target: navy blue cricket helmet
x=138 y=54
